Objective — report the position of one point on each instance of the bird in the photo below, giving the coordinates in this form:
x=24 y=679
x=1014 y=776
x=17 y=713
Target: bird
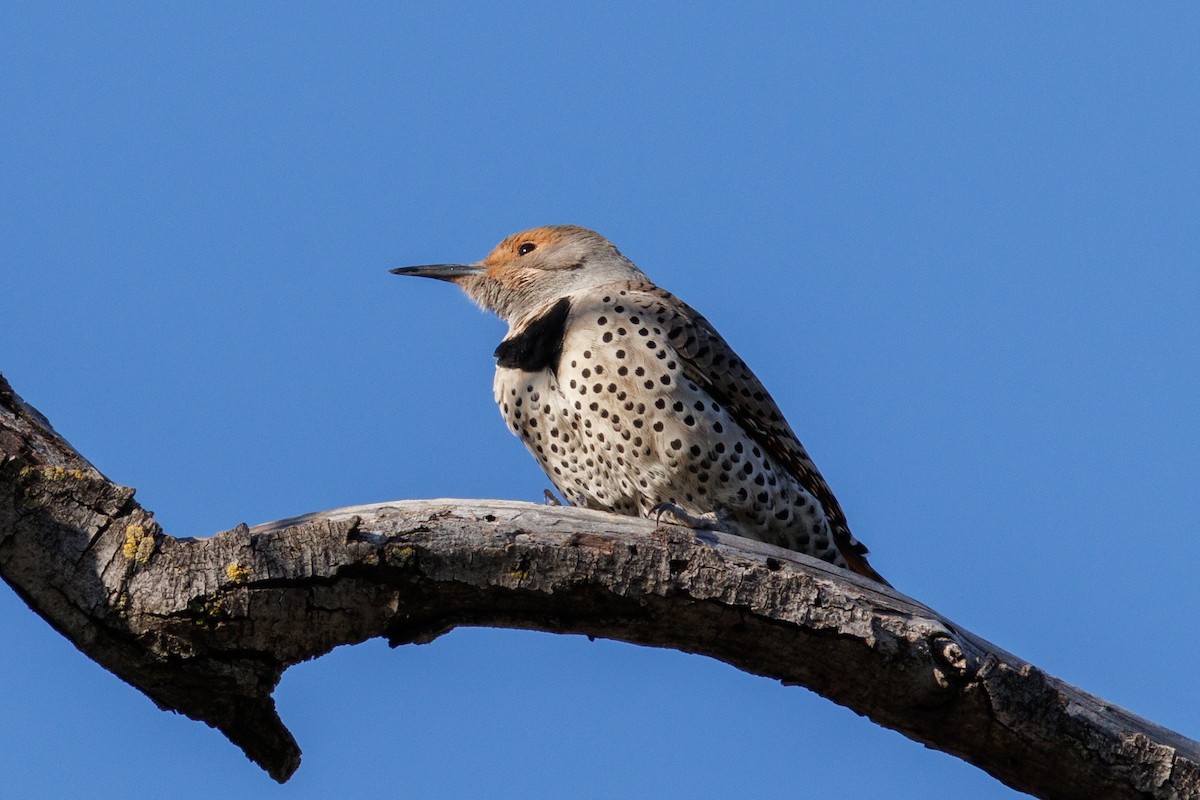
x=632 y=403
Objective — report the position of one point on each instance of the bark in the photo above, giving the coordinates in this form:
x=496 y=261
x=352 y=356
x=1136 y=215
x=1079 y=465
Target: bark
x=206 y=627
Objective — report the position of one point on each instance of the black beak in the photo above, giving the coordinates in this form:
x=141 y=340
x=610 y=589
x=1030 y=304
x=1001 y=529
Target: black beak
x=441 y=272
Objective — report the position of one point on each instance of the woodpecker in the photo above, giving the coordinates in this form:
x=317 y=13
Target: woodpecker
x=632 y=403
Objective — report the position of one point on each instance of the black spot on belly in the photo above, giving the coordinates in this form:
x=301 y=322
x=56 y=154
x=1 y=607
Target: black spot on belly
x=539 y=345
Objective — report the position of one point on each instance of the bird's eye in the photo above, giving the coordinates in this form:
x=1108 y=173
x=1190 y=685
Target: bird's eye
x=526 y=248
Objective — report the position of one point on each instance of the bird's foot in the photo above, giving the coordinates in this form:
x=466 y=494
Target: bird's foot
x=550 y=499
x=672 y=514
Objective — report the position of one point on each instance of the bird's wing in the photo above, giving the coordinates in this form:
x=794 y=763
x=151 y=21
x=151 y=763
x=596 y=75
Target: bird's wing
x=711 y=363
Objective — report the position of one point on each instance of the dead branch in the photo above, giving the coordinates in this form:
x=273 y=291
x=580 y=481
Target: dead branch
x=206 y=627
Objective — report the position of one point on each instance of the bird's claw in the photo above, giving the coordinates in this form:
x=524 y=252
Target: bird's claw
x=675 y=515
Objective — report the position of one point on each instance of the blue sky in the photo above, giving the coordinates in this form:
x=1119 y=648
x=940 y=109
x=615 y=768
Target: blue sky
x=958 y=242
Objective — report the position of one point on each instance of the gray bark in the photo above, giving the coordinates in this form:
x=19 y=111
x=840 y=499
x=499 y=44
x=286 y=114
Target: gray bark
x=206 y=627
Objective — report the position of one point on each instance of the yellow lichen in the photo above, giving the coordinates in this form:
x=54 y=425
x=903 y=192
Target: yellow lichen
x=400 y=556
x=236 y=573
x=138 y=546
x=211 y=612
x=58 y=473
x=32 y=491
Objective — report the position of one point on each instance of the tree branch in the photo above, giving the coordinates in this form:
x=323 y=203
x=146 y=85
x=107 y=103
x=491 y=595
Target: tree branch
x=207 y=626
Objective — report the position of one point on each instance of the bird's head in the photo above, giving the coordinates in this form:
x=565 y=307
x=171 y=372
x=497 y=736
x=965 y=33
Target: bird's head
x=535 y=267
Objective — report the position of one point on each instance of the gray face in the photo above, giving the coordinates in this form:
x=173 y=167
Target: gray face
x=531 y=270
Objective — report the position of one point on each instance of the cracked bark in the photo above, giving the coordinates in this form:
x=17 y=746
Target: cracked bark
x=206 y=627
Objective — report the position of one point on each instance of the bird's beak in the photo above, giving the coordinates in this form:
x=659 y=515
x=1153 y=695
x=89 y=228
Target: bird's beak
x=442 y=272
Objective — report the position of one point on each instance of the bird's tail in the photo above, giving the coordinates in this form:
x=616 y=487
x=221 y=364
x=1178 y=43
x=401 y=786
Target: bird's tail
x=857 y=562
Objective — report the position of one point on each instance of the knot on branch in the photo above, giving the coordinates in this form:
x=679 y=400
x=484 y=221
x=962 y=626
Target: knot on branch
x=952 y=668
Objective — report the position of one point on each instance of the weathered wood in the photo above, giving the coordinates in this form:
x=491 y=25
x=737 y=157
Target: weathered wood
x=207 y=626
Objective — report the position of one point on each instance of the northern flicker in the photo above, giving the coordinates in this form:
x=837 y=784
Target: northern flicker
x=632 y=403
